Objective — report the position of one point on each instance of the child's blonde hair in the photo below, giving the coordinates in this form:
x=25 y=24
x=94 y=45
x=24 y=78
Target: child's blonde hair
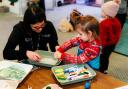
x=88 y=23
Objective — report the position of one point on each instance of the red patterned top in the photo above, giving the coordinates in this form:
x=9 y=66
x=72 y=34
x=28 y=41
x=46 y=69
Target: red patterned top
x=90 y=50
x=110 y=30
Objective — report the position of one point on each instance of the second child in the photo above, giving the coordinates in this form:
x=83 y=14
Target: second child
x=110 y=29
x=88 y=42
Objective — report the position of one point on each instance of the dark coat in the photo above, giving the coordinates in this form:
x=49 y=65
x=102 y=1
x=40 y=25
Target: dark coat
x=23 y=36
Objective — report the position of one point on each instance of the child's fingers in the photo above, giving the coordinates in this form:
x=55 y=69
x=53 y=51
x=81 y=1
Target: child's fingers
x=59 y=59
x=57 y=47
x=57 y=54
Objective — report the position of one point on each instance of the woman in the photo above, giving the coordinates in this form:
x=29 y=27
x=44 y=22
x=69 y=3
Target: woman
x=33 y=33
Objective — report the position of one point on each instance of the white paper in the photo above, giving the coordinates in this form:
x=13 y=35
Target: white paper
x=6 y=64
x=123 y=87
x=8 y=84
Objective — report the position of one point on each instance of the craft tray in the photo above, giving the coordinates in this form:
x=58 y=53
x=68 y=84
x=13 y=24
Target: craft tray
x=68 y=71
x=47 y=60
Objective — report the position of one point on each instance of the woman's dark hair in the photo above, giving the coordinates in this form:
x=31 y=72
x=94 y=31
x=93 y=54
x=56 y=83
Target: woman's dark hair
x=34 y=14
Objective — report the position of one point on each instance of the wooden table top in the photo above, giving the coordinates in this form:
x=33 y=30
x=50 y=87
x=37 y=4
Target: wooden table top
x=44 y=76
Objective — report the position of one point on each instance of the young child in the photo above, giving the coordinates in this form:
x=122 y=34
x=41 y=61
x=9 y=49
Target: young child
x=88 y=42
x=110 y=29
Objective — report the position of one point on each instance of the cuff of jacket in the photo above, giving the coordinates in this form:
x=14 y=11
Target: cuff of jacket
x=62 y=55
x=60 y=50
x=22 y=55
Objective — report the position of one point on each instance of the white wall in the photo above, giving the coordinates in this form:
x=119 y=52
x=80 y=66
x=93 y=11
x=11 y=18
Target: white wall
x=4 y=2
x=18 y=8
x=99 y=2
x=49 y=4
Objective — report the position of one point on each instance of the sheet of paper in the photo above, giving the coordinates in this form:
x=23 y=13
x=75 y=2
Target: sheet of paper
x=8 y=84
x=123 y=87
x=12 y=72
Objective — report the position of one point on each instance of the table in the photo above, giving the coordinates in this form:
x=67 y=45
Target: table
x=43 y=76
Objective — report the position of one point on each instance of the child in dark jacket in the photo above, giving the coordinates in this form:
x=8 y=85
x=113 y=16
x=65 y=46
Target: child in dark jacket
x=88 y=42
x=110 y=29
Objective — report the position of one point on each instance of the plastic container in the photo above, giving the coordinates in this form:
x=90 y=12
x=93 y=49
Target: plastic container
x=71 y=73
x=47 y=60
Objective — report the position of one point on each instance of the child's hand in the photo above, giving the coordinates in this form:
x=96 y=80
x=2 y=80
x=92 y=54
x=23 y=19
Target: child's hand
x=57 y=47
x=33 y=56
x=57 y=55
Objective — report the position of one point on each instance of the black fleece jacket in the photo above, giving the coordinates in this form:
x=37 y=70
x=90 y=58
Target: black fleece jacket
x=23 y=36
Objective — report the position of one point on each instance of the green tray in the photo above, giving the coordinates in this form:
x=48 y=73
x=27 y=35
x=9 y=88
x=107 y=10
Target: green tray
x=69 y=79
x=47 y=60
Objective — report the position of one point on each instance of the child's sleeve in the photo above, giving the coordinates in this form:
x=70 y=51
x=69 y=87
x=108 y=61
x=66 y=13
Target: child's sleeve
x=104 y=33
x=88 y=54
x=69 y=44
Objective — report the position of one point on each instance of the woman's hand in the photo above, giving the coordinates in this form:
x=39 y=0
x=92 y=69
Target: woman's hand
x=33 y=56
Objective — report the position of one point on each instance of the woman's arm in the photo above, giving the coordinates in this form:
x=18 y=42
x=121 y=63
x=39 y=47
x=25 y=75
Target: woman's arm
x=9 y=51
x=53 y=41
